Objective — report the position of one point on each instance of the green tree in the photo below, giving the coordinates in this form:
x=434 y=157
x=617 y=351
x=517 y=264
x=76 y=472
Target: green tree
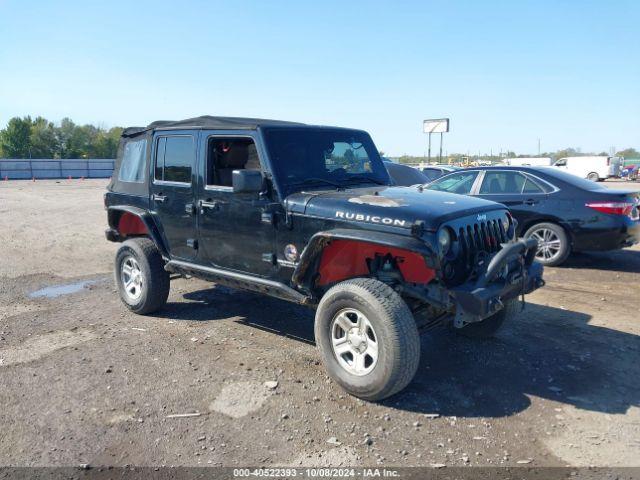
x=628 y=153
x=43 y=139
x=567 y=152
x=15 y=139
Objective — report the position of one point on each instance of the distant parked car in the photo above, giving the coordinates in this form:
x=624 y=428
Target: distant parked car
x=563 y=212
x=595 y=169
x=529 y=161
x=626 y=171
x=436 y=171
x=404 y=175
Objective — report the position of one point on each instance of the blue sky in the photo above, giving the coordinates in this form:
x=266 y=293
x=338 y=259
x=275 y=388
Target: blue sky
x=506 y=73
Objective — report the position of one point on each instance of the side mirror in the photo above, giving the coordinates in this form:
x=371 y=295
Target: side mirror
x=245 y=181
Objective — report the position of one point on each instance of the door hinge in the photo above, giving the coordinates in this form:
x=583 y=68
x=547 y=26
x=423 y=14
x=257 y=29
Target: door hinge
x=192 y=243
x=267 y=217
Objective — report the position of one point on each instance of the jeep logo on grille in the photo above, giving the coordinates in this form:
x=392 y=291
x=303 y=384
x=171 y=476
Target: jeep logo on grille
x=482 y=217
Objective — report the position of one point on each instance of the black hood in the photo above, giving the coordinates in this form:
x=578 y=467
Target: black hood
x=394 y=206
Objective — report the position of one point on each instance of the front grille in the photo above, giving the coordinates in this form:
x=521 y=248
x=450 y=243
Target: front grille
x=479 y=237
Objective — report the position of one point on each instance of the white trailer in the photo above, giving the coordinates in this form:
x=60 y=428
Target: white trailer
x=592 y=168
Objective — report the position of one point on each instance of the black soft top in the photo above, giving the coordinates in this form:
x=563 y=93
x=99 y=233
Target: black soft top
x=208 y=121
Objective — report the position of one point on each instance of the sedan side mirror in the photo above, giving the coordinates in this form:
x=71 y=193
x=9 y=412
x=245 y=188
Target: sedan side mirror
x=245 y=181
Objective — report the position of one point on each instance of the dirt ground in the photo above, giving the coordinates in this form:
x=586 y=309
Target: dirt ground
x=85 y=381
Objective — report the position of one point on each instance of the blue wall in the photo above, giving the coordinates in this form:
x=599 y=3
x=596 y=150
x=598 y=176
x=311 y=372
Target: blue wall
x=15 y=169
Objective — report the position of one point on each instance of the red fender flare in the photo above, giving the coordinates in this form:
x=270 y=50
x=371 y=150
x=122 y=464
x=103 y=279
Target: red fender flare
x=343 y=259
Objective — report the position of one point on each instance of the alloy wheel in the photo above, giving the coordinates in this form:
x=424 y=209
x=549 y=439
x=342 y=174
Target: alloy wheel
x=549 y=244
x=131 y=278
x=354 y=342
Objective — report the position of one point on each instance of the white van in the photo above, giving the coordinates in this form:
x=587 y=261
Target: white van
x=595 y=169
x=529 y=161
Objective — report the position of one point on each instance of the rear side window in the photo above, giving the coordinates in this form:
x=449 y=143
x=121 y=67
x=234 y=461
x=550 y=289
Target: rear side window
x=501 y=183
x=133 y=162
x=531 y=187
x=174 y=159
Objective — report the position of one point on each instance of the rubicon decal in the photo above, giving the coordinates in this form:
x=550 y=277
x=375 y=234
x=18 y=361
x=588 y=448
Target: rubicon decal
x=361 y=217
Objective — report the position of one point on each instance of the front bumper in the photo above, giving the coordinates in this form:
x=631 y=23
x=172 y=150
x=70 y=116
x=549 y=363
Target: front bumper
x=510 y=273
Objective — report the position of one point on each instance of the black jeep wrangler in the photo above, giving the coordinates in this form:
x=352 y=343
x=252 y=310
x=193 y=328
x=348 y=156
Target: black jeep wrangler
x=308 y=214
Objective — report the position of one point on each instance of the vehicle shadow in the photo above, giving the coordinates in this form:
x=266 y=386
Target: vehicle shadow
x=617 y=260
x=545 y=352
x=221 y=303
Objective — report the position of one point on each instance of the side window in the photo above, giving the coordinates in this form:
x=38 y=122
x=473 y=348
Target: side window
x=501 y=183
x=228 y=154
x=174 y=159
x=456 y=183
x=132 y=167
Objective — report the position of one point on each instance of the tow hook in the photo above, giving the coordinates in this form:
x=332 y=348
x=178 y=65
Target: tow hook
x=495 y=305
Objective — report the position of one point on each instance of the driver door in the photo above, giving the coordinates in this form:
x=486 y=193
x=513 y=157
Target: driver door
x=232 y=234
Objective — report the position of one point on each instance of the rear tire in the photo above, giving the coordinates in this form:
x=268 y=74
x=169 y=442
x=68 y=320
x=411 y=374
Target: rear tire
x=142 y=281
x=594 y=177
x=488 y=327
x=368 y=338
x=553 y=243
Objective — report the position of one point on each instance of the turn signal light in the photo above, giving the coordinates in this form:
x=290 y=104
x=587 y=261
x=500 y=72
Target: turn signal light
x=613 y=208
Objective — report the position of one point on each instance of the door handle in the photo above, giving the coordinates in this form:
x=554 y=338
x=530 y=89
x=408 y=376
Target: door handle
x=212 y=205
x=530 y=201
x=159 y=197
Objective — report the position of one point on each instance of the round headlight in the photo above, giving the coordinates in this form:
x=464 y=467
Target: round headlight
x=444 y=240
x=505 y=222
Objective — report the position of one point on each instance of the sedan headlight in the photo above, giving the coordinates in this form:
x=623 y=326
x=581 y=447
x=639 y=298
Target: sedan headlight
x=444 y=240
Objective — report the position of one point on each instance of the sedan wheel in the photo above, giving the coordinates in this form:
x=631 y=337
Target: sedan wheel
x=553 y=244
x=548 y=244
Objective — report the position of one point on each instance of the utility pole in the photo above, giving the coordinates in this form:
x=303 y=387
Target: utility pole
x=538 y=147
x=440 y=158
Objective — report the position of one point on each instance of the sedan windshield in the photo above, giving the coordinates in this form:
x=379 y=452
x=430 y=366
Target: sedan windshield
x=304 y=158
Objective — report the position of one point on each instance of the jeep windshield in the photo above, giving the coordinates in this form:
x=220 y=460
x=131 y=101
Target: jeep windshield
x=309 y=157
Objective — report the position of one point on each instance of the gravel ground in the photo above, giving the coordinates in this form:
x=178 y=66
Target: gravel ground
x=224 y=377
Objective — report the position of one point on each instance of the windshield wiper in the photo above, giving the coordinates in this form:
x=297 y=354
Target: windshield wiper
x=312 y=180
x=364 y=178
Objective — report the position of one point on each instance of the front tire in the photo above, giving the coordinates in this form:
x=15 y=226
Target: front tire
x=142 y=281
x=488 y=327
x=553 y=243
x=368 y=338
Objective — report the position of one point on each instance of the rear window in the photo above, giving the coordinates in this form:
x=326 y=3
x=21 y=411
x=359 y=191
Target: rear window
x=133 y=162
x=406 y=176
x=572 y=179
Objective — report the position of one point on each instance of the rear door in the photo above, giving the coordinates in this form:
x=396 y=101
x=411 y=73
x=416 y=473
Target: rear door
x=524 y=197
x=172 y=191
